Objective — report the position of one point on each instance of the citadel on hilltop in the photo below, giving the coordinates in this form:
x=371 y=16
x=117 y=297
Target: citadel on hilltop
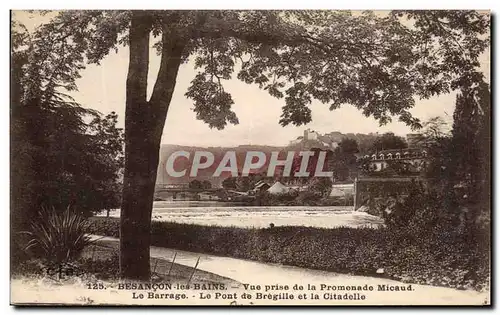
x=313 y=139
x=329 y=140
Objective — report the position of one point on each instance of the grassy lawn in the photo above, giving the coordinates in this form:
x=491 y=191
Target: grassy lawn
x=100 y=261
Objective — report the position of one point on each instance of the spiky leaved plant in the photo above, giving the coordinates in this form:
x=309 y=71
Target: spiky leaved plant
x=57 y=237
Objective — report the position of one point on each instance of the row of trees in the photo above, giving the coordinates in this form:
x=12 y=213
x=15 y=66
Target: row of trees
x=460 y=166
x=242 y=183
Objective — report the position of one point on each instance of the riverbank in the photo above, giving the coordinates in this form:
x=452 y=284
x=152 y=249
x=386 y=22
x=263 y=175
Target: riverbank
x=439 y=260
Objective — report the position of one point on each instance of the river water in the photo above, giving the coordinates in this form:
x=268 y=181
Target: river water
x=226 y=214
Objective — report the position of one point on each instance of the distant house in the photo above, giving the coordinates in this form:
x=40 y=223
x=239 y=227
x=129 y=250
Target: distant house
x=278 y=188
x=414 y=158
x=261 y=186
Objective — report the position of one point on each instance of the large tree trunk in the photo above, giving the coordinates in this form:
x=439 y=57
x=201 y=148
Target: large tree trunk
x=144 y=122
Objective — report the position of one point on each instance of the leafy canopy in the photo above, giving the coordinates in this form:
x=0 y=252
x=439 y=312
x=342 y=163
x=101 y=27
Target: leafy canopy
x=378 y=63
x=389 y=141
x=65 y=154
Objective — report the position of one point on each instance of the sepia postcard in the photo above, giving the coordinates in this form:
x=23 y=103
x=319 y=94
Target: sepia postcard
x=286 y=157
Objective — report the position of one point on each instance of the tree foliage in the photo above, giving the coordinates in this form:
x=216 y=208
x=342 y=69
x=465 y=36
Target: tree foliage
x=241 y=183
x=375 y=62
x=195 y=184
x=434 y=129
x=471 y=143
x=206 y=184
x=229 y=183
x=389 y=141
x=65 y=155
x=349 y=146
x=321 y=186
x=343 y=161
x=379 y=63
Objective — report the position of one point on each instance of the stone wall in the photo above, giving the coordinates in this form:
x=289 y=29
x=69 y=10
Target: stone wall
x=373 y=195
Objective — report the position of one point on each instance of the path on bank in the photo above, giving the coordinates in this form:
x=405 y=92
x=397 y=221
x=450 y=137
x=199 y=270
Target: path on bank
x=252 y=272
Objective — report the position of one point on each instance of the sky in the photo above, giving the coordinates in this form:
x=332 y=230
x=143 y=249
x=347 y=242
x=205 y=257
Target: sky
x=103 y=88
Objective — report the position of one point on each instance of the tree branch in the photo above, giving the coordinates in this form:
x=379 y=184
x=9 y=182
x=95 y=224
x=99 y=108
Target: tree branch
x=137 y=77
x=163 y=89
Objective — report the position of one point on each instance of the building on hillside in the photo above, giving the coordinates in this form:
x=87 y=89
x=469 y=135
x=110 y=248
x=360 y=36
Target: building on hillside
x=410 y=160
x=414 y=159
x=312 y=138
x=328 y=142
x=310 y=134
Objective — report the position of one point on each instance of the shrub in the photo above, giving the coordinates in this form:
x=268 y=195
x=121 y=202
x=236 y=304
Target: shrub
x=437 y=258
x=427 y=211
x=308 y=198
x=321 y=186
x=57 y=237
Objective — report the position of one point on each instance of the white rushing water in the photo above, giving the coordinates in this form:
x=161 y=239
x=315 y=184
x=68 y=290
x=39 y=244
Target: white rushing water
x=217 y=213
